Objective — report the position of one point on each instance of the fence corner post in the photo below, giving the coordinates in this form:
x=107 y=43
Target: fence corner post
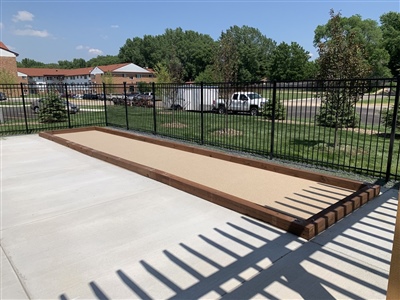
x=393 y=129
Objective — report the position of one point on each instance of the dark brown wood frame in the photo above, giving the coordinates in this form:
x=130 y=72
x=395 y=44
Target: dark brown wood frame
x=304 y=228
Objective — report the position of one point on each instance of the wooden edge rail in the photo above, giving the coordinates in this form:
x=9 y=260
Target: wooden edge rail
x=393 y=290
x=304 y=228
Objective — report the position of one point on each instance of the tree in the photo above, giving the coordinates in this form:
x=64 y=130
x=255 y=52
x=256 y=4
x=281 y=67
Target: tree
x=30 y=63
x=108 y=81
x=209 y=75
x=52 y=109
x=367 y=34
x=6 y=77
x=253 y=51
x=103 y=60
x=189 y=51
x=391 y=39
x=144 y=87
x=227 y=67
x=342 y=62
x=289 y=62
x=227 y=58
x=162 y=74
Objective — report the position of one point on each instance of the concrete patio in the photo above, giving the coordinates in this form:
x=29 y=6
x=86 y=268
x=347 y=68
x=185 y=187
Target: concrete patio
x=76 y=227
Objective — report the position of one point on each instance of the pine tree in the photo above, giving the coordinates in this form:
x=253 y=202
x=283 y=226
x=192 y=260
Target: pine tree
x=52 y=109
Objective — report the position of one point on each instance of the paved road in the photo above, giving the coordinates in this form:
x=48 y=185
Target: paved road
x=299 y=112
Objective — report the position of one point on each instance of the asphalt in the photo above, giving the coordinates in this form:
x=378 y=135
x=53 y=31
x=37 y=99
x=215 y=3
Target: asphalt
x=76 y=227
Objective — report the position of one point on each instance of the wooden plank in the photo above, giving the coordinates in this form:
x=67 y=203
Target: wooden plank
x=393 y=291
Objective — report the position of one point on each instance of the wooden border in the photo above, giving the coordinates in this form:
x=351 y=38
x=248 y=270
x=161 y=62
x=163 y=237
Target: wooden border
x=393 y=290
x=304 y=228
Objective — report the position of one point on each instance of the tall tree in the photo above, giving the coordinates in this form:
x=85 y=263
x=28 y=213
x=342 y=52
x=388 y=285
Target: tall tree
x=253 y=52
x=189 y=49
x=289 y=62
x=227 y=58
x=390 y=25
x=367 y=34
x=341 y=62
x=102 y=60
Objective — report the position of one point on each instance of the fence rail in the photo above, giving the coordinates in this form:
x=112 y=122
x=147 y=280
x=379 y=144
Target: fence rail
x=349 y=125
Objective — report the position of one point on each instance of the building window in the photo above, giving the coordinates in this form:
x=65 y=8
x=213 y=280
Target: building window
x=138 y=76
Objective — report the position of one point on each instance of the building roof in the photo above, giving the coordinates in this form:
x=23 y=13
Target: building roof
x=4 y=47
x=126 y=67
x=35 y=72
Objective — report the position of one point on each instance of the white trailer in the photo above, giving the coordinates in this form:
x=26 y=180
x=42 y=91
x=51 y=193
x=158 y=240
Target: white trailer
x=189 y=98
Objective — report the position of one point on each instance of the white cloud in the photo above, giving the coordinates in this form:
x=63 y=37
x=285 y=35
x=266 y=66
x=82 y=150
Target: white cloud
x=91 y=51
x=81 y=47
x=23 y=16
x=114 y=26
x=32 y=32
x=95 y=51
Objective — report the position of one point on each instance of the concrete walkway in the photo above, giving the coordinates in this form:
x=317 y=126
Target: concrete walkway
x=76 y=227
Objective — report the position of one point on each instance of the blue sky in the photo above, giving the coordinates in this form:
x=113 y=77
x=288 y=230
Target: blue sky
x=50 y=30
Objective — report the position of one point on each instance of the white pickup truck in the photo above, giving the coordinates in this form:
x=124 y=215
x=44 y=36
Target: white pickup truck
x=249 y=102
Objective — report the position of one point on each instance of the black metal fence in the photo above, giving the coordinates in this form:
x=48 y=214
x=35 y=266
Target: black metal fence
x=349 y=125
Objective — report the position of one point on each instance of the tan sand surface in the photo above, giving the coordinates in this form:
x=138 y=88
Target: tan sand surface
x=295 y=196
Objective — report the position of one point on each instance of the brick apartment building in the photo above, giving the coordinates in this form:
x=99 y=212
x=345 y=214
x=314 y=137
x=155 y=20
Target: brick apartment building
x=128 y=73
x=8 y=62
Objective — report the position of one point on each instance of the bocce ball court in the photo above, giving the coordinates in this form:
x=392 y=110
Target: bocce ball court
x=298 y=201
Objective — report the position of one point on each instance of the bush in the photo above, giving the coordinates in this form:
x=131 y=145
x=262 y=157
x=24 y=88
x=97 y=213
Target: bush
x=52 y=109
x=387 y=117
x=280 y=110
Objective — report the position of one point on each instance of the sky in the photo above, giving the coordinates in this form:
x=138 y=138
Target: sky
x=49 y=31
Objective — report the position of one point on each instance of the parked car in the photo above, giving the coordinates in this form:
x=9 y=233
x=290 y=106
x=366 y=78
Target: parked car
x=3 y=96
x=132 y=96
x=36 y=104
x=249 y=102
x=90 y=96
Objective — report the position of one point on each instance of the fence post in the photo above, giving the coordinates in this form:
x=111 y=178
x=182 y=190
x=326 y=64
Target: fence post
x=23 y=103
x=105 y=103
x=393 y=130
x=126 y=107
x=202 y=113
x=68 y=111
x=271 y=152
x=154 y=107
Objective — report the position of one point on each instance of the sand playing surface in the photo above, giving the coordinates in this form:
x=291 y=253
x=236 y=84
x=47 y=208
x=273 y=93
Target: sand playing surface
x=295 y=196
